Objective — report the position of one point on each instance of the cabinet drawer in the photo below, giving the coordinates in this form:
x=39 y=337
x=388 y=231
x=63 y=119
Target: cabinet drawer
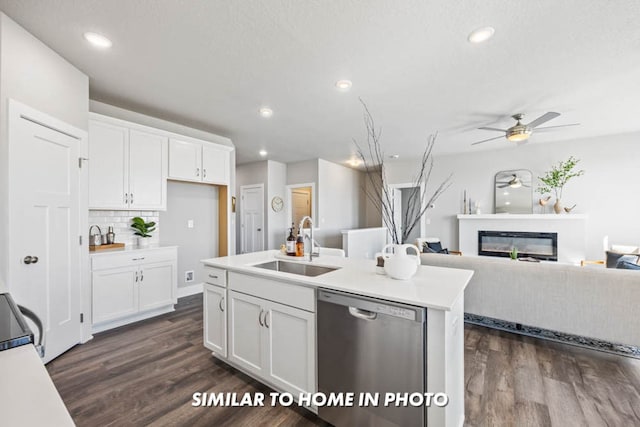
x=215 y=276
x=285 y=293
x=135 y=257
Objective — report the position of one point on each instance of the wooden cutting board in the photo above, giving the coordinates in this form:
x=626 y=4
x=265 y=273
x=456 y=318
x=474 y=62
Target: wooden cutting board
x=106 y=247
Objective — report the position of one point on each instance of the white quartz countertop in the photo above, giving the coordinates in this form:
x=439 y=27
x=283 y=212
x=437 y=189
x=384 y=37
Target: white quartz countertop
x=27 y=394
x=432 y=287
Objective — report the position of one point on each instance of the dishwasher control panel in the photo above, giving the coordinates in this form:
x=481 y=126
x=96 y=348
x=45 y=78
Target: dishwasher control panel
x=396 y=311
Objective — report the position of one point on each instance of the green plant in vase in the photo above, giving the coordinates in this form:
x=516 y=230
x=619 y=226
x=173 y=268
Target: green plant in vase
x=143 y=230
x=555 y=179
x=514 y=253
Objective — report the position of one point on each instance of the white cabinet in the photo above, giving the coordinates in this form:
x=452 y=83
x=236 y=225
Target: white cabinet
x=215 y=319
x=127 y=167
x=273 y=341
x=198 y=161
x=215 y=311
x=132 y=285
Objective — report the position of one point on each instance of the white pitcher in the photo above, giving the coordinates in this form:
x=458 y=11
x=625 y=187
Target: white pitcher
x=400 y=265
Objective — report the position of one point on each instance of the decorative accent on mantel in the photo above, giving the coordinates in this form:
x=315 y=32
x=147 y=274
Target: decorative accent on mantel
x=571 y=229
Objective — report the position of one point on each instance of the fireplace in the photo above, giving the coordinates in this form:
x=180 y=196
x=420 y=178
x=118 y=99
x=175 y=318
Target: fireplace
x=542 y=246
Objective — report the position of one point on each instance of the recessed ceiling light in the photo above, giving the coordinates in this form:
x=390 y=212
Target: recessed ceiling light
x=266 y=112
x=355 y=162
x=263 y=153
x=394 y=156
x=98 y=40
x=344 y=84
x=481 y=35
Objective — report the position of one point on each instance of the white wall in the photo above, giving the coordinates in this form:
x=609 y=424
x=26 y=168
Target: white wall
x=339 y=202
x=277 y=221
x=606 y=192
x=35 y=75
x=197 y=202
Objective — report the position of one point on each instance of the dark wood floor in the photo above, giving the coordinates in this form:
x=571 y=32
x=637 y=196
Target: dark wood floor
x=146 y=373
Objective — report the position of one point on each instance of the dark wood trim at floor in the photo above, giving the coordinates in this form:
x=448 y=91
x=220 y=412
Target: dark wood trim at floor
x=146 y=373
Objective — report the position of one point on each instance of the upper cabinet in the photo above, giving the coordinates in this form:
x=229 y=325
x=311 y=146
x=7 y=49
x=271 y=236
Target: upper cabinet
x=127 y=167
x=198 y=161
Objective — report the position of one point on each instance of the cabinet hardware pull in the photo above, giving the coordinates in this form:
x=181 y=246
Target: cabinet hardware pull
x=213 y=277
x=126 y=198
x=137 y=259
x=30 y=259
x=197 y=171
x=204 y=173
x=131 y=199
x=260 y=318
x=266 y=313
x=220 y=304
x=141 y=276
x=136 y=277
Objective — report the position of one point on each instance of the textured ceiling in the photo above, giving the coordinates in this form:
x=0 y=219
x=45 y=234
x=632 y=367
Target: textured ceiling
x=212 y=64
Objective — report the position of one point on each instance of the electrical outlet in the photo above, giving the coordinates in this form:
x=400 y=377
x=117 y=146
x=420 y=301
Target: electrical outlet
x=188 y=276
x=190 y=223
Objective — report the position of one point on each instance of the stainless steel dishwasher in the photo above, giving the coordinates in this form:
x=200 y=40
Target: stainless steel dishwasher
x=367 y=345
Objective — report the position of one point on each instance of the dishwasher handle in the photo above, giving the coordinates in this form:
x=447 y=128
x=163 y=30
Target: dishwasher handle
x=362 y=314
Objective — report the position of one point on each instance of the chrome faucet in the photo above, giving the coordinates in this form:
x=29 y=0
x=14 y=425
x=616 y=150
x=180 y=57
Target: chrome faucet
x=310 y=237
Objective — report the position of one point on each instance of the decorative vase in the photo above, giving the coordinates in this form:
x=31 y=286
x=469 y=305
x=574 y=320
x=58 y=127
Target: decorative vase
x=143 y=242
x=557 y=206
x=399 y=264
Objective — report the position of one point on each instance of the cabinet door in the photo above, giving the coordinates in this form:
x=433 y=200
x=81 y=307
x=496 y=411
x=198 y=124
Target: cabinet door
x=185 y=160
x=148 y=162
x=108 y=166
x=215 y=319
x=157 y=285
x=115 y=293
x=215 y=165
x=291 y=343
x=246 y=340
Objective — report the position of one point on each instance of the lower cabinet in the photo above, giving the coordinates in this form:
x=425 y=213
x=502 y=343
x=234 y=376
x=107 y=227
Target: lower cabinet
x=215 y=319
x=133 y=285
x=273 y=341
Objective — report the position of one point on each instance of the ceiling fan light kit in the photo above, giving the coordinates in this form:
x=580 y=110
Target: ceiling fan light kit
x=522 y=132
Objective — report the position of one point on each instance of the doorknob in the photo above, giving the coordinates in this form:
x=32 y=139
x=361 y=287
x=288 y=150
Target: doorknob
x=259 y=229
x=30 y=259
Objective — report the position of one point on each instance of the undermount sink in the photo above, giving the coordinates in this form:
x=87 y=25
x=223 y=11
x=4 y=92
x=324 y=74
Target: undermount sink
x=296 y=268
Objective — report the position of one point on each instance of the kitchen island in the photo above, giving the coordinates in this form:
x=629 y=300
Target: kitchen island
x=263 y=321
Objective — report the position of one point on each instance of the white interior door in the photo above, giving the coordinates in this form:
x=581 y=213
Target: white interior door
x=44 y=246
x=252 y=218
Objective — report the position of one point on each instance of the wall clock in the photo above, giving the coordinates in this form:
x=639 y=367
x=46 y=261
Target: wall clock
x=277 y=204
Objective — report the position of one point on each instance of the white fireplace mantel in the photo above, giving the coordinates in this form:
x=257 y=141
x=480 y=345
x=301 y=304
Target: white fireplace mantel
x=518 y=217
x=571 y=229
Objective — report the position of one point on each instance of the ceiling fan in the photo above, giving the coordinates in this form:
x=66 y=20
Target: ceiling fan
x=513 y=181
x=521 y=132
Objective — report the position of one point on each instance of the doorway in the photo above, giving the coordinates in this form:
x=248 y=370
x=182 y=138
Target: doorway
x=251 y=218
x=407 y=199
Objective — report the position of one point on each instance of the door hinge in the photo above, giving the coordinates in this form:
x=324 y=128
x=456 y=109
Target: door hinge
x=80 y=239
x=80 y=159
x=81 y=317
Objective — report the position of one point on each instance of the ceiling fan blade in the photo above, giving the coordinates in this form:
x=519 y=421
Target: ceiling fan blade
x=487 y=140
x=554 y=127
x=543 y=119
x=490 y=128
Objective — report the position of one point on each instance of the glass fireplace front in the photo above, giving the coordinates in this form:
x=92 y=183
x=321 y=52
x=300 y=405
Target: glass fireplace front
x=542 y=246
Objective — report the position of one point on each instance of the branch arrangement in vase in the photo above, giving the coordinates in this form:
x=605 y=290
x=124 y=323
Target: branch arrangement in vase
x=381 y=194
x=555 y=179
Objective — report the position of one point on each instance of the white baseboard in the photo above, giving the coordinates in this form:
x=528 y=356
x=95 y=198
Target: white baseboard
x=190 y=290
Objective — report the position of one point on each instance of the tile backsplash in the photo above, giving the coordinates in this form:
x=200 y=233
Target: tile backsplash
x=121 y=222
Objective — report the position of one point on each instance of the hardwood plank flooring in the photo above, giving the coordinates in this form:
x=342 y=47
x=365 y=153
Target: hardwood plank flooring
x=146 y=373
